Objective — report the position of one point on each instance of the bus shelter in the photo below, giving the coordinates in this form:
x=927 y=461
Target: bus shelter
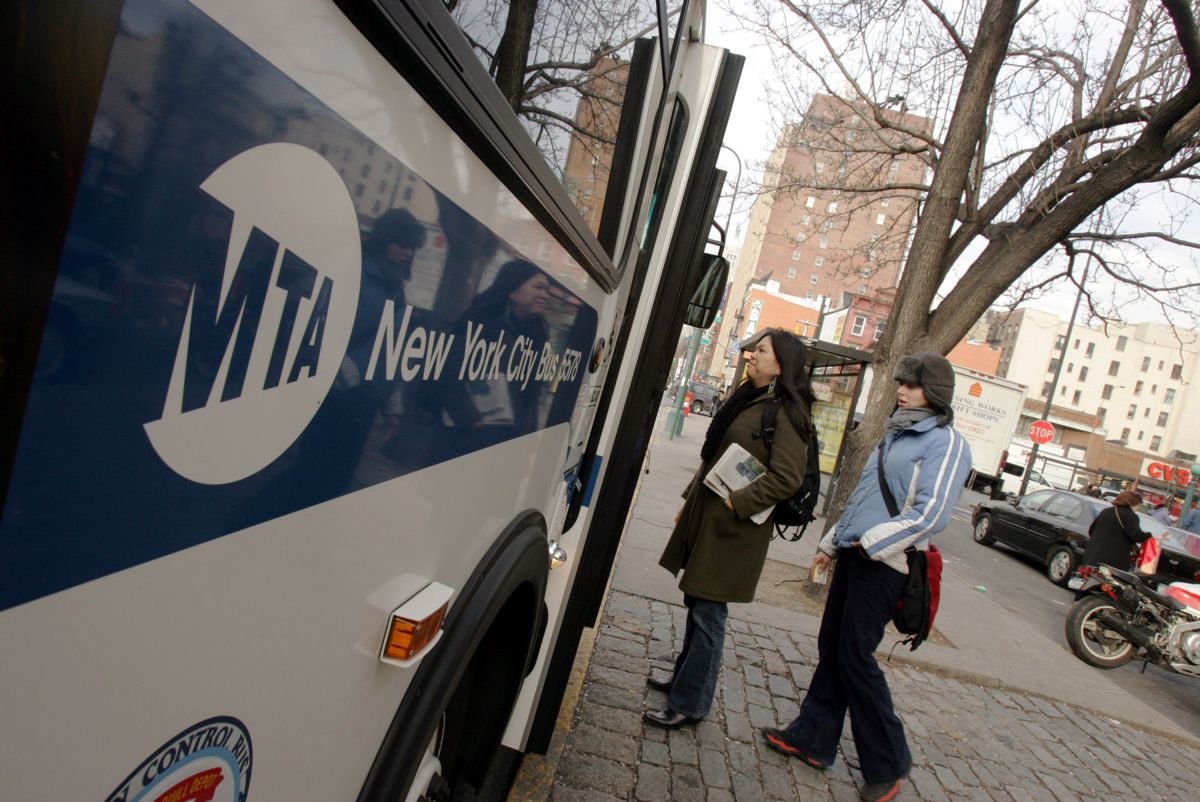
x=836 y=374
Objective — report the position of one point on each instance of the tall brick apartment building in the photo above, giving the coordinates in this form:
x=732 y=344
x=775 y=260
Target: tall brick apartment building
x=837 y=207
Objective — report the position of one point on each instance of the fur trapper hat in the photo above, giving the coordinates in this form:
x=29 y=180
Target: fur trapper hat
x=934 y=374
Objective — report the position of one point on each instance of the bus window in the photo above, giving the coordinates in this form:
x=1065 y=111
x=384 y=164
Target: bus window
x=567 y=81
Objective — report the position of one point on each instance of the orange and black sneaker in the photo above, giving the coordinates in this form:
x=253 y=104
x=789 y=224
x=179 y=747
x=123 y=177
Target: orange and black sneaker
x=879 y=792
x=777 y=741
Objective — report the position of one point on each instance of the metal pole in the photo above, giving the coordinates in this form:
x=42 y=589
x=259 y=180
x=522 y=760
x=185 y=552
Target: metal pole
x=675 y=418
x=1062 y=357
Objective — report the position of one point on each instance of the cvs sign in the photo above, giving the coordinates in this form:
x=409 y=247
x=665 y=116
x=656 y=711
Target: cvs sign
x=1167 y=473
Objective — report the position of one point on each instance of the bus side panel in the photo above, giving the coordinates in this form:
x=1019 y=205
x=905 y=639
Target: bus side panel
x=278 y=410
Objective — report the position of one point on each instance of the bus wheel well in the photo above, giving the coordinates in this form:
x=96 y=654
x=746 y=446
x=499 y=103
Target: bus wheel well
x=475 y=720
x=469 y=683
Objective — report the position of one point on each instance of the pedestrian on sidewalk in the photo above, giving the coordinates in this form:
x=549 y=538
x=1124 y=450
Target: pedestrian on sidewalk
x=720 y=550
x=1191 y=521
x=925 y=463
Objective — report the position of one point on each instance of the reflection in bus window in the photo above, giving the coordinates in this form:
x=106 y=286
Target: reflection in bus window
x=566 y=82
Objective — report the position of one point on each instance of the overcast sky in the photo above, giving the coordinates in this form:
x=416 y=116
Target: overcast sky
x=751 y=133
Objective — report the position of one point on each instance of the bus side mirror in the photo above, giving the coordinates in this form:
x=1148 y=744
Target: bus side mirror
x=702 y=308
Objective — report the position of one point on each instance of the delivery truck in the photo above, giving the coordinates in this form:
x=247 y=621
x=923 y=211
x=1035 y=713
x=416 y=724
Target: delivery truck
x=987 y=410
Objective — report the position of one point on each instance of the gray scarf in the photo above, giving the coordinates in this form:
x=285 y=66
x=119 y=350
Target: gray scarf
x=904 y=417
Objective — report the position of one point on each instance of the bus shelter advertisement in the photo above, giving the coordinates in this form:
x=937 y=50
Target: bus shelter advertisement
x=259 y=309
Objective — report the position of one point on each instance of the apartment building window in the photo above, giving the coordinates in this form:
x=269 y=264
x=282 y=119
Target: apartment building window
x=1070 y=367
x=884 y=202
x=801 y=238
x=860 y=325
x=1091 y=348
x=1083 y=373
x=1177 y=371
x=824 y=242
x=1155 y=443
x=820 y=167
x=1141 y=435
x=1137 y=388
x=880 y=219
x=1046 y=388
x=1113 y=367
x=1162 y=419
x=1062 y=390
x=1076 y=343
x=1160 y=364
x=828 y=224
x=811 y=202
x=862 y=289
x=1059 y=342
x=842 y=171
x=1154 y=389
x=1125 y=435
x=1122 y=341
x=1053 y=366
x=879 y=328
x=1132 y=412
x=818 y=260
x=814 y=278
x=796 y=255
x=1075 y=398
x=791 y=272
x=1145 y=364
x=1146 y=412
x=809 y=295
x=806 y=219
x=1169 y=396
x=1100 y=413
x=832 y=207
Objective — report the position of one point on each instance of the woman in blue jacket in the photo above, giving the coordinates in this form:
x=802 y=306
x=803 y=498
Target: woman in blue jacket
x=926 y=463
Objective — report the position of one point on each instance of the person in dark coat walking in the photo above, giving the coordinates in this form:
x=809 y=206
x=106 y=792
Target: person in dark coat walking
x=1115 y=532
x=719 y=549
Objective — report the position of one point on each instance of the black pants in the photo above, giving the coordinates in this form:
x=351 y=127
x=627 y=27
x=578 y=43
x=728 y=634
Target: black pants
x=862 y=596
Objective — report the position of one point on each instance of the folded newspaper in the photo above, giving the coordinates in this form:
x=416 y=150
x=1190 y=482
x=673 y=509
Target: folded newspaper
x=736 y=468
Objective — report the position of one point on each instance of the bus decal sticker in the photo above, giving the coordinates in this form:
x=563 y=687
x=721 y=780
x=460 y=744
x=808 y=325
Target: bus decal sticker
x=207 y=762
x=259 y=309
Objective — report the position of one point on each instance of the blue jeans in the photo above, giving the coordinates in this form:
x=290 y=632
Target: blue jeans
x=699 y=662
x=862 y=596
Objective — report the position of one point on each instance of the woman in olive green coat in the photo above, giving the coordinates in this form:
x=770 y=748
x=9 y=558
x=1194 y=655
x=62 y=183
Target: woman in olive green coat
x=719 y=549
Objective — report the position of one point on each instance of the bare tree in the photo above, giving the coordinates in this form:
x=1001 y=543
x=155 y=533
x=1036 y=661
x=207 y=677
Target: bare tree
x=1053 y=127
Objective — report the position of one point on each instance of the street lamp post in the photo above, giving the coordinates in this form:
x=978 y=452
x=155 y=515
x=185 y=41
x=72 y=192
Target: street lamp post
x=675 y=418
x=1062 y=357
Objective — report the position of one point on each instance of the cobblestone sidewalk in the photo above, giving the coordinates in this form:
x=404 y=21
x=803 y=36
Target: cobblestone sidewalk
x=968 y=741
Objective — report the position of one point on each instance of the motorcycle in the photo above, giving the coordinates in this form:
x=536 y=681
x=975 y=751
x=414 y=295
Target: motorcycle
x=1117 y=617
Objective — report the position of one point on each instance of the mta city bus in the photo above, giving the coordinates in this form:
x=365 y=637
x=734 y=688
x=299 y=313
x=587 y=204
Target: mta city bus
x=326 y=372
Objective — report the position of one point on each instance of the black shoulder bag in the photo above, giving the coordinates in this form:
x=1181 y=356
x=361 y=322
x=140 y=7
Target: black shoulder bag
x=918 y=603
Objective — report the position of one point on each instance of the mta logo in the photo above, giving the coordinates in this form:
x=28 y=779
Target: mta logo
x=265 y=332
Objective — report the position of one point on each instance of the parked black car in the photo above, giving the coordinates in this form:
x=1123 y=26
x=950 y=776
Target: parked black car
x=1052 y=527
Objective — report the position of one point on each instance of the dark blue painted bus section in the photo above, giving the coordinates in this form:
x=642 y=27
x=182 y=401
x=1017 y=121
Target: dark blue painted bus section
x=89 y=495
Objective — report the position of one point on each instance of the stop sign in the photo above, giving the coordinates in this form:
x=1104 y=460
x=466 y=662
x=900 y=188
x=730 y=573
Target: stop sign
x=1041 y=431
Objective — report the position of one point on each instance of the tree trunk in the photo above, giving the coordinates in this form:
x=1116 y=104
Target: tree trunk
x=908 y=329
x=512 y=55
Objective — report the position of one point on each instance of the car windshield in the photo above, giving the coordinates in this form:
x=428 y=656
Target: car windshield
x=1181 y=540
x=1156 y=528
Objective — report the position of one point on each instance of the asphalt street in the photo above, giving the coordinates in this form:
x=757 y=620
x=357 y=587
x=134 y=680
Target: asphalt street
x=996 y=706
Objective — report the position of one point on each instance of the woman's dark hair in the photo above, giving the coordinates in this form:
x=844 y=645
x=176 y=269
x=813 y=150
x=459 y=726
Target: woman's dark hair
x=792 y=387
x=512 y=275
